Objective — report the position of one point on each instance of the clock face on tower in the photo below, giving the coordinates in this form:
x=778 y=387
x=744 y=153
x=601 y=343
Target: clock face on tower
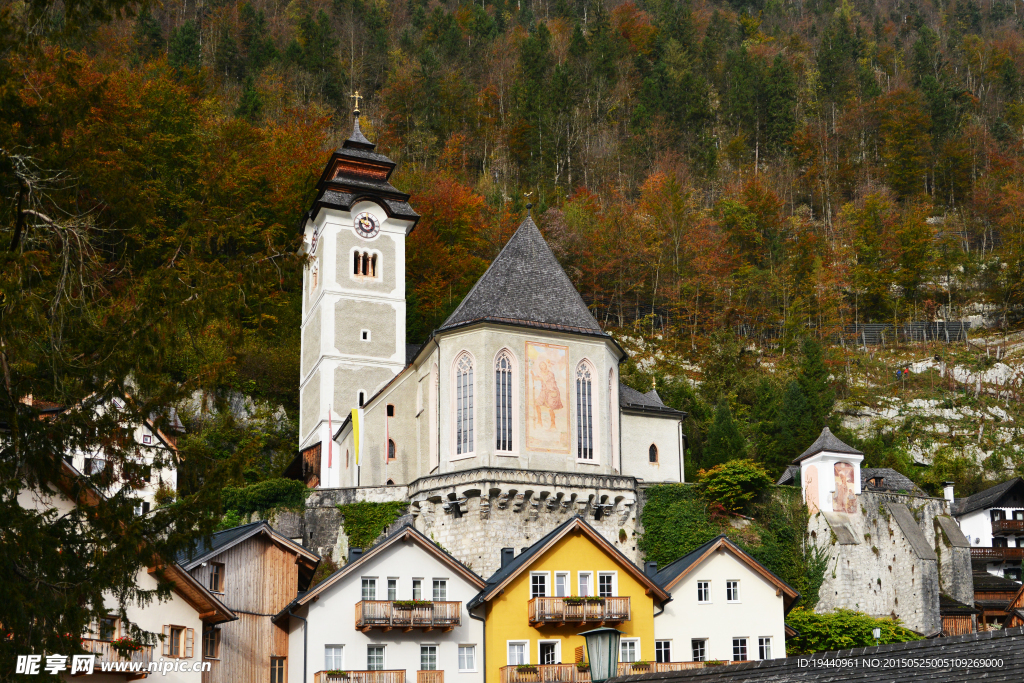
x=367 y=225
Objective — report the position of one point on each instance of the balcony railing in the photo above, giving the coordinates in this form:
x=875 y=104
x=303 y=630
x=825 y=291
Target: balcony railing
x=436 y=676
x=997 y=554
x=106 y=654
x=391 y=676
x=576 y=611
x=1008 y=526
x=575 y=673
x=388 y=614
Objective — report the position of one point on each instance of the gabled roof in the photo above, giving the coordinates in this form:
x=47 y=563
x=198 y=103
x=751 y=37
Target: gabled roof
x=525 y=285
x=676 y=571
x=501 y=578
x=406 y=533
x=789 y=476
x=207 y=549
x=892 y=480
x=631 y=399
x=985 y=499
x=950 y=607
x=985 y=582
x=827 y=441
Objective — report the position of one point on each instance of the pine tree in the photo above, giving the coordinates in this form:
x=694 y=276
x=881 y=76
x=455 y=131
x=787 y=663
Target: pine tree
x=794 y=429
x=724 y=439
x=184 y=50
x=814 y=381
x=251 y=104
x=149 y=38
x=780 y=105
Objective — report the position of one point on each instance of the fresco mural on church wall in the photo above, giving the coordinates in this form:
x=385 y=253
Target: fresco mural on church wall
x=547 y=398
x=843 y=498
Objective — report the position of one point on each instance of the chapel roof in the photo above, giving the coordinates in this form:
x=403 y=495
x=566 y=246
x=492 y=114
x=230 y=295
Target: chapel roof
x=525 y=285
x=650 y=402
x=827 y=441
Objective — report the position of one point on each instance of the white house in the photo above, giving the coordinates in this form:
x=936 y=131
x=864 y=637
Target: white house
x=177 y=622
x=725 y=606
x=396 y=614
x=993 y=522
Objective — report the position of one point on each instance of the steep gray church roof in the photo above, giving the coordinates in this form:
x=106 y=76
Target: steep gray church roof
x=525 y=285
x=827 y=441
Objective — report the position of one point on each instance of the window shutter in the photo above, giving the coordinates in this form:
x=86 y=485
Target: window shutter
x=189 y=637
x=167 y=641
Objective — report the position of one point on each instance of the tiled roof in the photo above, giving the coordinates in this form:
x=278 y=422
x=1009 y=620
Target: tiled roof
x=985 y=582
x=649 y=402
x=218 y=540
x=525 y=283
x=984 y=499
x=950 y=607
x=892 y=480
x=1006 y=646
x=789 y=477
x=827 y=441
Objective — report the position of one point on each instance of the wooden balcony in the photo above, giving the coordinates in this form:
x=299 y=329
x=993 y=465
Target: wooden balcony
x=391 y=676
x=106 y=654
x=561 y=611
x=996 y=554
x=387 y=614
x=574 y=673
x=1008 y=526
x=436 y=676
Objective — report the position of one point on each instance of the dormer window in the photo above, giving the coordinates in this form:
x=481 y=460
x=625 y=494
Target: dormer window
x=877 y=482
x=364 y=264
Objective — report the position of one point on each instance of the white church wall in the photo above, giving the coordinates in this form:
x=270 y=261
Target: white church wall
x=639 y=432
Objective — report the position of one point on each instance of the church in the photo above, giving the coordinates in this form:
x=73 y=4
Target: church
x=520 y=378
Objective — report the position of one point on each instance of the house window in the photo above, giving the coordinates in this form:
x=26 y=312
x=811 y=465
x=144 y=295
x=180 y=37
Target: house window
x=585 y=585
x=997 y=515
x=364 y=264
x=732 y=591
x=334 y=657
x=628 y=650
x=516 y=654
x=548 y=653
x=1013 y=573
x=428 y=657
x=369 y=589
x=392 y=589
x=147 y=439
x=538 y=585
x=703 y=591
x=561 y=584
x=605 y=584
x=999 y=543
x=464 y=405
x=211 y=643
x=503 y=410
x=142 y=508
x=440 y=590
x=216 y=577
x=374 y=657
x=700 y=650
x=178 y=641
x=662 y=651
x=277 y=670
x=764 y=648
x=739 y=649
x=364 y=335
x=467 y=657
x=584 y=413
x=652 y=453
x=177 y=635
x=108 y=628
x=391 y=449
x=417 y=589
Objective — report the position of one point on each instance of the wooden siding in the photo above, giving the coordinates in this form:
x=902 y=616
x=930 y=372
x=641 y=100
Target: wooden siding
x=387 y=676
x=572 y=673
x=957 y=625
x=260 y=578
x=612 y=610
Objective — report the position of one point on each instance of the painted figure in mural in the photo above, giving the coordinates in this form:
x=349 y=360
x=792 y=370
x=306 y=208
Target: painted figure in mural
x=546 y=394
x=844 y=498
x=811 y=488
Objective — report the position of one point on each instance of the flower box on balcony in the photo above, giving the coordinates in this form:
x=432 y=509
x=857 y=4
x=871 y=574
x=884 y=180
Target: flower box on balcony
x=641 y=665
x=412 y=604
x=573 y=601
x=582 y=666
x=526 y=669
x=337 y=672
x=595 y=601
x=125 y=646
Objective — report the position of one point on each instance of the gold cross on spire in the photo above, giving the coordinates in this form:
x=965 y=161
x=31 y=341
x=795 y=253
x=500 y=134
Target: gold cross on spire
x=356 y=97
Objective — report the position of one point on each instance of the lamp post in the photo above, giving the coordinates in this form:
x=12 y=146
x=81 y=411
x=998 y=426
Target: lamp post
x=877 y=634
x=602 y=653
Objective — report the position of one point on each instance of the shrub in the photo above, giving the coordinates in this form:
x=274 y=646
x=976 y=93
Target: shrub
x=265 y=495
x=733 y=484
x=841 y=630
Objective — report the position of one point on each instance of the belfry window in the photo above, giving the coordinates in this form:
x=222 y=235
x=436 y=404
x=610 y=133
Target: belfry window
x=503 y=412
x=464 y=404
x=364 y=263
x=584 y=413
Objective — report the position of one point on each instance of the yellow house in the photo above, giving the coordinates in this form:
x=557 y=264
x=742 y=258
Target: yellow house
x=570 y=581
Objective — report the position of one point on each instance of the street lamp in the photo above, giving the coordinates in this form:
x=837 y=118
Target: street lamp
x=877 y=634
x=602 y=653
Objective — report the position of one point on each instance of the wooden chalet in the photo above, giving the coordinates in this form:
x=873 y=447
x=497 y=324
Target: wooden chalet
x=992 y=597
x=256 y=571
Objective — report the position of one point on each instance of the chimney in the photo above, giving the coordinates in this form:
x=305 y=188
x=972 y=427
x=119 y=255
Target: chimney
x=354 y=554
x=947 y=490
x=650 y=568
x=506 y=556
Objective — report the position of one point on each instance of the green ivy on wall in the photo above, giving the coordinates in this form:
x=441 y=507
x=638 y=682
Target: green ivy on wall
x=364 y=522
x=265 y=495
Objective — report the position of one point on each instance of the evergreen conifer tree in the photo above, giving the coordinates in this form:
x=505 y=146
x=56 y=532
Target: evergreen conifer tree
x=724 y=439
x=813 y=380
x=184 y=50
x=149 y=38
x=251 y=104
x=794 y=429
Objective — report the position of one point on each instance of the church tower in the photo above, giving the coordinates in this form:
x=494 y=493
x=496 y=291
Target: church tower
x=353 y=300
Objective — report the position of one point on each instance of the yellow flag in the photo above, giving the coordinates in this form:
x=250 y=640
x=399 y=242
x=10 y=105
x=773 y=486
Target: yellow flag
x=355 y=431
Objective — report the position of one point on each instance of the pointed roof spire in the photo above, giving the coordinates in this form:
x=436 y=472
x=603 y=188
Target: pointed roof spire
x=525 y=285
x=357 y=140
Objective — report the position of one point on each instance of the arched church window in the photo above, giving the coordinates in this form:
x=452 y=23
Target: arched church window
x=652 y=453
x=584 y=412
x=464 y=404
x=391 y=449
x=362 y=398
x=503 y=410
